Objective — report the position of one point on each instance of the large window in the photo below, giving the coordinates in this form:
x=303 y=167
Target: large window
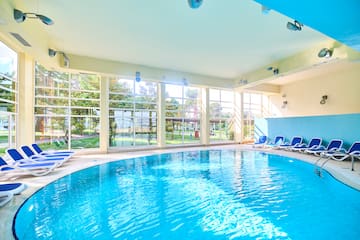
x=67 y=109
x=255 y=105
x=132 y=113
x=8 y=96
x=221 y=104
x=183 y=110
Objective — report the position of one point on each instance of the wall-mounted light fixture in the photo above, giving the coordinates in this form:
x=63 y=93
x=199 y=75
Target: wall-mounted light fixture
x=195 y=3
x=285 y=102
x=325 y=52
x=20 y=17
x=274 y=70
x=137 y=77
x=295 y=26
x=52 y=53
x=323 y=99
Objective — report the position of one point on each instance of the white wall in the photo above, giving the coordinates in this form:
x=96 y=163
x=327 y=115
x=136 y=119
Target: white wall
x=339 y=81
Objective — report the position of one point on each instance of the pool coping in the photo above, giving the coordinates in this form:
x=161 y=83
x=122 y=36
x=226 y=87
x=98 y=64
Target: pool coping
x=339 y=170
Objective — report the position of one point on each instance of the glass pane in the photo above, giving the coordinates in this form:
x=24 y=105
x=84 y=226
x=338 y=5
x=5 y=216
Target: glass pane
x=52 y=132
x=85 y=132
x=8 y=96
x=221 y=117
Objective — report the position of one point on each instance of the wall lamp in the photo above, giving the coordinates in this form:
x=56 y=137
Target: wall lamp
x=295 y=26
x=323 y=99
x=195 y=3
x=325 y=52
x=20 y=17
x=52 y=53
x=285 y=102
x=274 y=70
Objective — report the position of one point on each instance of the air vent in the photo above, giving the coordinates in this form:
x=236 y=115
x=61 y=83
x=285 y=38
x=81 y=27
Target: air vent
x=20 y=39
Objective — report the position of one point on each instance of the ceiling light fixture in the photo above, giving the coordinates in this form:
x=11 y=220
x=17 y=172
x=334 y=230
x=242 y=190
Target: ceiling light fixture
x=52 y=53
x=296 y=26
x=20 y=17
x=195 y=3
x=325 y=52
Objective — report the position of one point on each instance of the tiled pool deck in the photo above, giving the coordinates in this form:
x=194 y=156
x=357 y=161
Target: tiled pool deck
x=340 y=170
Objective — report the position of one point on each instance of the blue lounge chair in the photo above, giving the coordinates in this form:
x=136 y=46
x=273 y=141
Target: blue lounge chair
x=5 y=197
x=314 y=143
x=277 y=141
x=18 y=157
x=342 y=154
x=40 y=151
x=261 y=141
x=334 y=145
x=14 y=188
x=294 y=142
x=35 y=169
x=31 y=154
x=8 y=190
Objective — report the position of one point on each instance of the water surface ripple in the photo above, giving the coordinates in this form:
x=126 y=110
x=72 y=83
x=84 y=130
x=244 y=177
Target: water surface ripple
x=217 y=194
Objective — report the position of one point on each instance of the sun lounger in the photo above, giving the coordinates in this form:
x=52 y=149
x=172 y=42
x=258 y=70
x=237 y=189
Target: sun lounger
x=260 y=142
x=5 y=197
x=314 y=143
x=35 y=169
x=18 y=157
x=8 y=190
x=277 y=141
x=37 y=149
x=334 y=145
x=14 y=188
x=31 y=154
x=294 y=142
x=342 y=154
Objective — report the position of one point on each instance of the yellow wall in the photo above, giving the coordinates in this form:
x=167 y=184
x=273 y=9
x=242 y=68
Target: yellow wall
x=340 y=81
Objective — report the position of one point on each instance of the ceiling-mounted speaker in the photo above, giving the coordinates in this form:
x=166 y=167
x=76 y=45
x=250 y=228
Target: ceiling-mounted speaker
x=195 y=3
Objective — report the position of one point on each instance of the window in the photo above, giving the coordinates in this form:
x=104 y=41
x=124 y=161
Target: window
x=221 y=104
x=182 y=114
x=255 y=105
x=132 y=113
x=8 y=96
x=67 y=109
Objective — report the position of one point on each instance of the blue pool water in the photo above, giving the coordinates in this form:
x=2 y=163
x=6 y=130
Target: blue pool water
x=217 y=194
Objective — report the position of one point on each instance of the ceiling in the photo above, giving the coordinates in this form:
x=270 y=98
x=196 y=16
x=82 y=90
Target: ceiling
x=218 y=39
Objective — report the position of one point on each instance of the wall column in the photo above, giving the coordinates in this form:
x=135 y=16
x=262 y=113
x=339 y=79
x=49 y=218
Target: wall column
x=161 y=129
x=25 y=125
x=205 y=117
x=104 y=114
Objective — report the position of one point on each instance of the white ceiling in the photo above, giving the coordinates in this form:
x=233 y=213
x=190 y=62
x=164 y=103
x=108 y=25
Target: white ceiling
x=221 y=38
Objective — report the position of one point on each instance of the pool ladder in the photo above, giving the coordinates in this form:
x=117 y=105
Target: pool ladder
x=318 y=168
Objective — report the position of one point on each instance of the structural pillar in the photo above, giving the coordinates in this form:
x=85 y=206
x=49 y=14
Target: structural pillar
x=161 y=123
x=25 y=133
x=205 y=117
x=104 y=114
